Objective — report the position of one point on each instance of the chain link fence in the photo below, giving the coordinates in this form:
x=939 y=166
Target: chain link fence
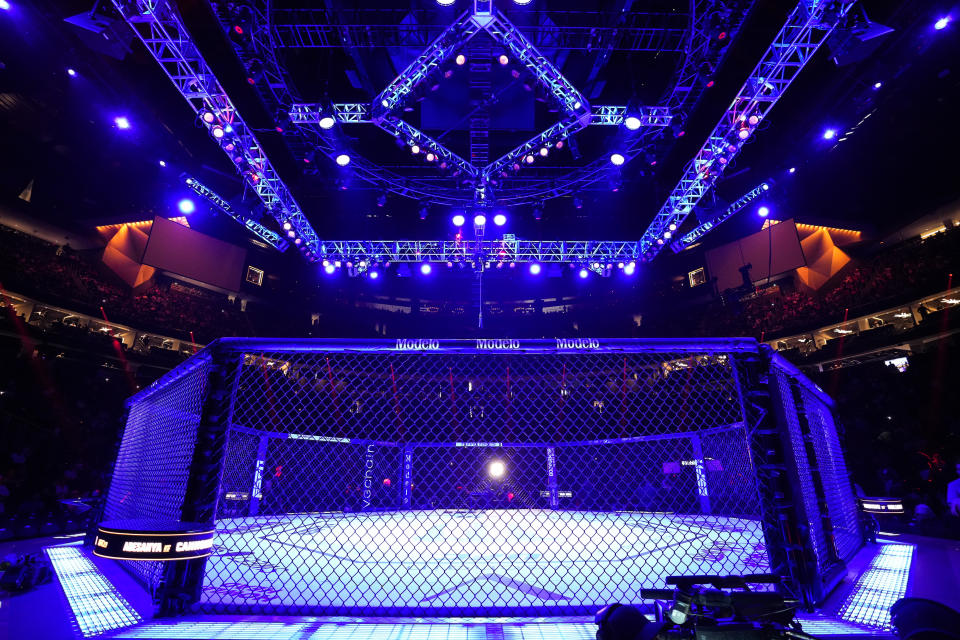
x=444 y=478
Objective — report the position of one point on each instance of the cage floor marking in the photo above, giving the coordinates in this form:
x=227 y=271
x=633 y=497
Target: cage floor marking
x=463 y=559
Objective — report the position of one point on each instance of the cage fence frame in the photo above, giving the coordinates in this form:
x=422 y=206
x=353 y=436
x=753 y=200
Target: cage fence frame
x=188 y=443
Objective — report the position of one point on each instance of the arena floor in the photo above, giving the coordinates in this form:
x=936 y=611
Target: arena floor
x=460 y=562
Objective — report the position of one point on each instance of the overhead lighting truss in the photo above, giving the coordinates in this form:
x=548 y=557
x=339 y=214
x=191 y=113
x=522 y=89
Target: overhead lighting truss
x=270 y=237
x=157 y=24
x=701 y=230
x=806 y=28
x=471 y=251
x=401 y=130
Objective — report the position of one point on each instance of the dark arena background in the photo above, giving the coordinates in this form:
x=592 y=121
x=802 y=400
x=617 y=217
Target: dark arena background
x=479 y=319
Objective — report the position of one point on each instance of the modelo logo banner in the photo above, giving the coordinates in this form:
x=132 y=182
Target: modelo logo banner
x=159 y=544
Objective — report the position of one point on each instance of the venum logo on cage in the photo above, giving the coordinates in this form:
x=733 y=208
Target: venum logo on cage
x=578 y=343
x=418 y=345
x=498 y=343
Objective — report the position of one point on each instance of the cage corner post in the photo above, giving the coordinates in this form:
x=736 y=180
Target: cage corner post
x=183 y=580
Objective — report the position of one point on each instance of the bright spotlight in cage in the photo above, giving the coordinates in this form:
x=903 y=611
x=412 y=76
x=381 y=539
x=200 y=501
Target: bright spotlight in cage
x=458 y=220
x=497 y=469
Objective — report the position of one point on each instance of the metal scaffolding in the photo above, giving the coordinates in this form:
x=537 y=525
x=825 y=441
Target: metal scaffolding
x=701 y=230
x=272 y=238
x=507 y=249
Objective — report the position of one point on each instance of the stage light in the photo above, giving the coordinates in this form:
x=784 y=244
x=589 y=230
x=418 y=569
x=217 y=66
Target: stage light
x=460 y=59
x=343 y=159
x=414 y=149
x=287 y=226
x=327 y=122
x=329 y=268
x=121 y=121
x=559 y=144
x=765 y=186
x=632 y=123
x=535 y=269
x=499 y=219
x=617 y=159
x=941 y=23
x=503 y=59
x=544 y=151
x=458 y=220
x=630 y=268
x=4 y=5
x=208 y=117
x=583 y=273
x=431 y=157
x=217 y=131
x=529 y=159
x=479 y=220
x=374 y=275
x=291 y=234
x=521 y=2
x=877 y=85
x=72 y=73
x=667 y=235
x=186 y=206
x=829 y=134
x=496 y=469
x=673 y=226
x=445 y=3
x=763 y=212
x=793 y=169
x=425 y=268
x=163 y=163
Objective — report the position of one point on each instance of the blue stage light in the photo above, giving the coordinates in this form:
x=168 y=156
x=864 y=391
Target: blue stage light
x=630 y=268
x=4 y=5
x=327 y=122
x=121 y=121
x=584 y=273
x=793 y=169
x=617 y=159
x=425 y=268
x=445 y=3
x=499 y=219
x=72 y=73
x=186 y=206
x=829 y=134
x=941 y=23
x=497 y=469
x=343 y=159
x=632 y=123
x=877 y=85
x=458 y=220
x=329 y=268
x=535 y=269
x=479 y=220
x=763 y=212
x=374 y=275
x=163 y=163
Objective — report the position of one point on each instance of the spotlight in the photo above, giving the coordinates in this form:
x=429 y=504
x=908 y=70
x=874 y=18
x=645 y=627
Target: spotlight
x=186 y=206
x=763 y=212
x=673 y=226
x=458 y=220
x=499 y=219
x=503 y=59
x=71 y=73
x=497 y=469
x=630 y=268
x=163 y=163
x=4 y=5
x=327 y=122
x=941 y=23
x=535 y=269
x=521 y=2
x=329 y=268
x=208 y=117
x=632 y=123
x=217 y=131
x=559 y=144
x=793 y=169
x=544 y=151
x=583 y=273
x=343 y=159
x=877 y=85
x=373 y=275
x=528 y=159
x=414 y=149
x=765 y=186
x=479 y=220
x=425 y=268
x=431 y=157
x=617 y=159
x=667 y=235
x=121 y=121
x=460 y=59
x=829 y=134
x=287 y=226
x=445 y=3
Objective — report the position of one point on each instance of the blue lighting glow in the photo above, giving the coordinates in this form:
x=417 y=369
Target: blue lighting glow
x=479 y=220
x=630 y=268
x=883 y=583
x=458 y=220
x=343 y=159
x=535 y=269
x=584 y=273
x=186 y=206
x=163 y=163
x=4 y=5
x=617 y=159
x=877 y=85
x=829 y=134
x=329 y=269
x=425 y=268
x=97 y=606
x=938 y=25
x=763 y=212
x=793 y=169
x=70 y=72
x=499 y=219
x=374 y=275
x=121 y=121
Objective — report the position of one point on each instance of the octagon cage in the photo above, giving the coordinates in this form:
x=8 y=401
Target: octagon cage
x=483 y=477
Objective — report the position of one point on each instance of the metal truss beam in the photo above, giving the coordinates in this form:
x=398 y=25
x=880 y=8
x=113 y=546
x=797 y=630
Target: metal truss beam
x=344 y=112
x=806 y=28
x=445 y=158
x=452 y=39
x=270 y=237
x=640 y=31
x=157 y=24
x=615 y=115
x=586 y=252
x=701 y=230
